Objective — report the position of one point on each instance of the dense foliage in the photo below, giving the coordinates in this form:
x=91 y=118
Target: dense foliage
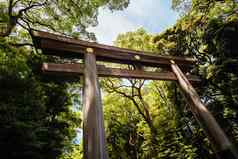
x=207 y=31
x=143 y=119
x=32 y=110
x=69 y=17
x=145 y=109
x=39 y=114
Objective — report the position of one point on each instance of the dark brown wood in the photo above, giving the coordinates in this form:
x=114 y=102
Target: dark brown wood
x=203 y=115
x=52 y=44
x=93 y=123
x=102 y=71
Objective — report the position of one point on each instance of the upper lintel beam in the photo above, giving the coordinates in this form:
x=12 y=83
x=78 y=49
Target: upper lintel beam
x=53 y=44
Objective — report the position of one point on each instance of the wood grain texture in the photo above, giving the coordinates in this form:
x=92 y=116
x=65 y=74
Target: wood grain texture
x=203 y=115
x=77 y=69
x=93 y=122
x=52 y=44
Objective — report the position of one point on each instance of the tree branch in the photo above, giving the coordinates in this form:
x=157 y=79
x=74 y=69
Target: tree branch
x=112 y=87
x=10 y=7
x=30 y=7
x=13 y=19
x=17 y=45
x=15 y=3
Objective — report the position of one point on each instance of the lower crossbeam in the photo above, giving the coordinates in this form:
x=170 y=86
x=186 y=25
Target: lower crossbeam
x=77 y=69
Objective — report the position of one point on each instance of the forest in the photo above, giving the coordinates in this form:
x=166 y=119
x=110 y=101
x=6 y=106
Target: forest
x=41 y=116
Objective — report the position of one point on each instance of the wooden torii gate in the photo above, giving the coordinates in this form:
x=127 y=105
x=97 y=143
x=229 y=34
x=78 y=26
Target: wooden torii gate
x=93 y=123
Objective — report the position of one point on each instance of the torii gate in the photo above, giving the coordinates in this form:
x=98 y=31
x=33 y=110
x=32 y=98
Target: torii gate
x=93 y=123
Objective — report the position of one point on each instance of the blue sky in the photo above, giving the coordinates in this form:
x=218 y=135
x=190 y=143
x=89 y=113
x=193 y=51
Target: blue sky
x=153 y=15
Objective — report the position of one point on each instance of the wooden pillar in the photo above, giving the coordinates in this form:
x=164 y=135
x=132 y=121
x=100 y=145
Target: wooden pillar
x=93 y=123
x=218 y=138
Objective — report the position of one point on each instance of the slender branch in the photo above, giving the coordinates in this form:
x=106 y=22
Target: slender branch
x=17 y=45
x=160 y=93
x=13 y=19
x=15 y=3
x=145 y=106
x=24 y=27
x=29 y=19
x=127 y=96
x=10 y=7
x=143 y=112
x=30 y=7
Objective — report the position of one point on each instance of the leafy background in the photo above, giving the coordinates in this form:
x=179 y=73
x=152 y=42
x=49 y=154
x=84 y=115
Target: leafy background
x=143 y=119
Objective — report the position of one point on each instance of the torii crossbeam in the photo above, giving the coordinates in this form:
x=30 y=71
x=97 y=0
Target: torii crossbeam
x=90 y=52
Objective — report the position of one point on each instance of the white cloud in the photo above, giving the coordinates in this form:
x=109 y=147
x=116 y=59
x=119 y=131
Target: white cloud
x=110 y=25
x=153 y=15
x=145 y=8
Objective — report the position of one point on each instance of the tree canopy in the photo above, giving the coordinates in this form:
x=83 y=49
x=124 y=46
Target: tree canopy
x=69 y=17
x=40 y=115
